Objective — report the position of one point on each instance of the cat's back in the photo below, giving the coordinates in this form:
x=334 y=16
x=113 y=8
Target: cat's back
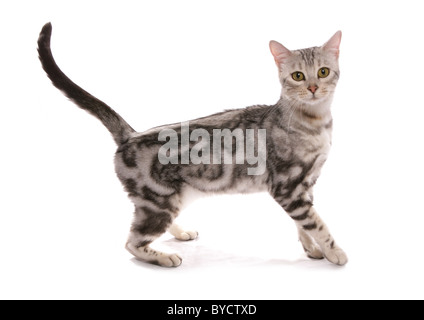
x=148 y=155
x=231 y=119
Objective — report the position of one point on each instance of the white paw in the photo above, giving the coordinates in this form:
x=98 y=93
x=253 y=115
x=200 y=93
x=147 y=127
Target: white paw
x=181 y=234
x=314 y=252
x=311 y=248
x=187 y=235
x=336 y=256
x=153 y=256
x=169 y=260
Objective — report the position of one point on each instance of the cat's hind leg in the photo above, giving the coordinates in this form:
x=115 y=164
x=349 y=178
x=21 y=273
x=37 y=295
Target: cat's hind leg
x=146 y=253
x=147 y=226
x=182 y=234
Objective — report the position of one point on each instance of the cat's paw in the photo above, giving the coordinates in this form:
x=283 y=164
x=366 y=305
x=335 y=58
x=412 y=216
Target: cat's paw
x=181 y=234
x=336 y=256
x=153 y=256
x=187 y=235
x=312 y=249
x=314 y=252
x=169 y=260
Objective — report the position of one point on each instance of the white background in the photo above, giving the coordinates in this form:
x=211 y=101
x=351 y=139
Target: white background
x=64 y=217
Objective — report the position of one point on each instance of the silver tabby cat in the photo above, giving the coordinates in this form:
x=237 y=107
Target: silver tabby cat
x=298 y=138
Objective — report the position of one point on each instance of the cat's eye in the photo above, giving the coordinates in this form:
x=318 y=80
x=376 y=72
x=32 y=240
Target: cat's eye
x=323 y=72
x=298 y=76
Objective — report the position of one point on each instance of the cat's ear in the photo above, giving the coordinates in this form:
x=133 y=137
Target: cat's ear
x=280 y=52
x=333 y=44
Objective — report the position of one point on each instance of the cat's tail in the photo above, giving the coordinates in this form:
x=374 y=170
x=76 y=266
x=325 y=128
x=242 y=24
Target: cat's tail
x=117 y=126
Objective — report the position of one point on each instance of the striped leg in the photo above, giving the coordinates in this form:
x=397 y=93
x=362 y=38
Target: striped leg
x=313 y=230
x=148 y=225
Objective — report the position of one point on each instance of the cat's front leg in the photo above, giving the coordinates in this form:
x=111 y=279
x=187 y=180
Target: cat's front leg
x=313 y=229
x=312 y=249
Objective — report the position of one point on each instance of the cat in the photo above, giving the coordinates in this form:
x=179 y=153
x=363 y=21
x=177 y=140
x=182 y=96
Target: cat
x=291 y=138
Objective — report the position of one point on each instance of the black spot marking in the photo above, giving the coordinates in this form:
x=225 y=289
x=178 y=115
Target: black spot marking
x=143 y=244
x=302 y=216
x=129 y=154
x=332 y=244
x=309 y=226
x=297 y=204
x=130 y=186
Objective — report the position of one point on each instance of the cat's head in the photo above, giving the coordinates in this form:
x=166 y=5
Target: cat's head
x=308 y=76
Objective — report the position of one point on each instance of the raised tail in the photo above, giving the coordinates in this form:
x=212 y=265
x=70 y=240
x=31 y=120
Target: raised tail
x=117 y=126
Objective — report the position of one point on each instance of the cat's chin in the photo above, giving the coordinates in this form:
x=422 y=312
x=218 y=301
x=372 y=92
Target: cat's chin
x=310 y=100
x=314 y=100
x=311 y=103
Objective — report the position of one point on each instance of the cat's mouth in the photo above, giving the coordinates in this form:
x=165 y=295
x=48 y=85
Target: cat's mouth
x=314 y=99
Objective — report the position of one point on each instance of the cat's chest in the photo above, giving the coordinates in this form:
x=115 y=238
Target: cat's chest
x=308 y=146
x=312 y=152
x=300 y=156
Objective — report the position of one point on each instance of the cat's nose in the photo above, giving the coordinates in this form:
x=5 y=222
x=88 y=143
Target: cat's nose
x=313 y=88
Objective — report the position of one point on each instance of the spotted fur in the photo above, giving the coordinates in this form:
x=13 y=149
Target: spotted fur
x=298 y=138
